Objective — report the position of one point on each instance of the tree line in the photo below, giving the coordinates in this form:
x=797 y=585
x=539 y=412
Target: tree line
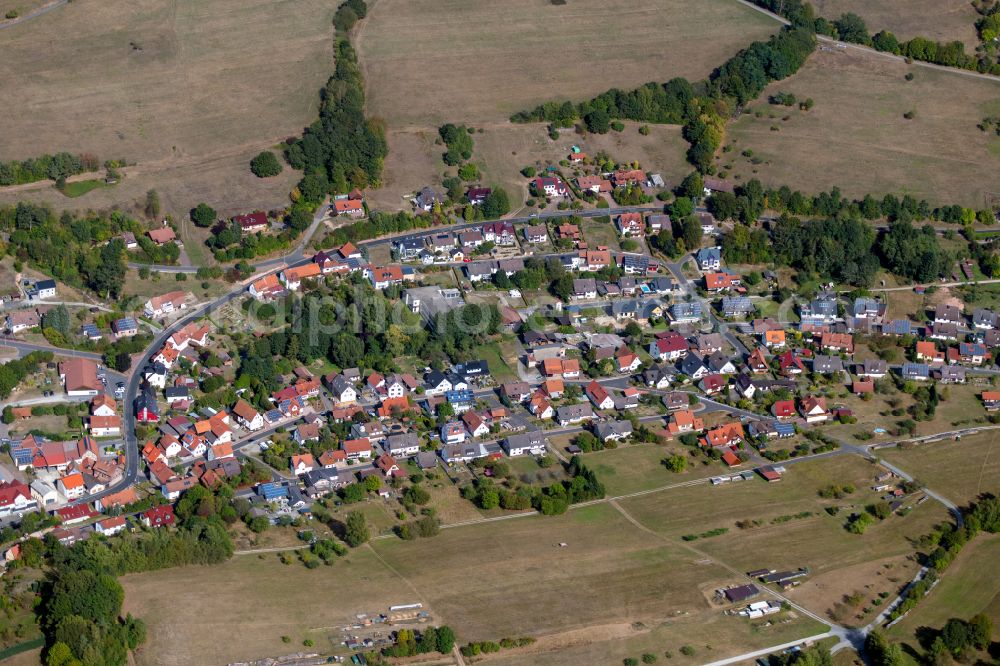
x=850 y=27
x=740 y=79
x=342 y=150
x=53 y=167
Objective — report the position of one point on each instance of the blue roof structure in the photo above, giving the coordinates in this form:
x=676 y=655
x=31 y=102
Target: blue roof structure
x=270 y=491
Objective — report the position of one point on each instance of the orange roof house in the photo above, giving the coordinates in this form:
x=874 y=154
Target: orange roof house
x=390 y=405
x=725 y=435
x=348 y=207
x=553 y=387
x=774 y=338
x=928 y=352
x=162 y=235
x=684 y=420
x=838 y=341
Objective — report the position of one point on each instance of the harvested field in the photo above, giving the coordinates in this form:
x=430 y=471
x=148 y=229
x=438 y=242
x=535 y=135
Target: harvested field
x=960 y=471
x=940 y=20
x=622 y=583
x=856 y=138
x=190 y=102
x=503 y=149
x=428 y=62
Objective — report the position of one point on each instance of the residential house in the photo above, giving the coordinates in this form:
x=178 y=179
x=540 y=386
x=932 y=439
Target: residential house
x=453 y=432
x=728 y=434
x=540 y=407
x=515 y=392
x=985 y=319
x=686 y=313
x=838 y=342
x=305 y=433
x=407 y=249
x=292 y=277
x=357 y=449
x=549 y=186
x=627 y=361
x=722 y=281
x=658 y=223
x=737 y=307
x=79 y=377
x=599 y=396
x=868 y=308
x=162 y=236
x=532 y=442
x=384 y=277
x=669 y=346
x=821 y=311
x=427 y=198
x=402 y=445
x=72 y=486
x=159 y=516
x=757 y=362
x=693 y=365
x=684 y=420
x=774 y=339
x=873 y=368
x=713 y=384
x=658 y=376
x=595 y=184
x=161 y=306
x=536 y=233
x=783 y=409
x=251 y=223
x=709 y=258
x=572 y=414
x=302 y=464
x=126 y=327
x=266 y=288
x=745 y=386
x=348 y=207
x=973 y=353
x=927 y=352
x=916 y=371
x=720 y=363
x=951 y=374
x=948 y=314
x=585 y=289
x=629 y=224
x=613 y=431
x=790 y=364
x=827 y=365
x=22 y=320
x=813 y=409
x=991 y=400
x=501 y=233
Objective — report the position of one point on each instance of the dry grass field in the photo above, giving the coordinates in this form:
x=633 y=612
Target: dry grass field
x=960 y=470
x=626 y=589
x=187 y=91
x=428 y=62
x=638 y=467
x=940 y=20
x=837 y=559
x=965 y=589
x=856 y=137
x=503 y=149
